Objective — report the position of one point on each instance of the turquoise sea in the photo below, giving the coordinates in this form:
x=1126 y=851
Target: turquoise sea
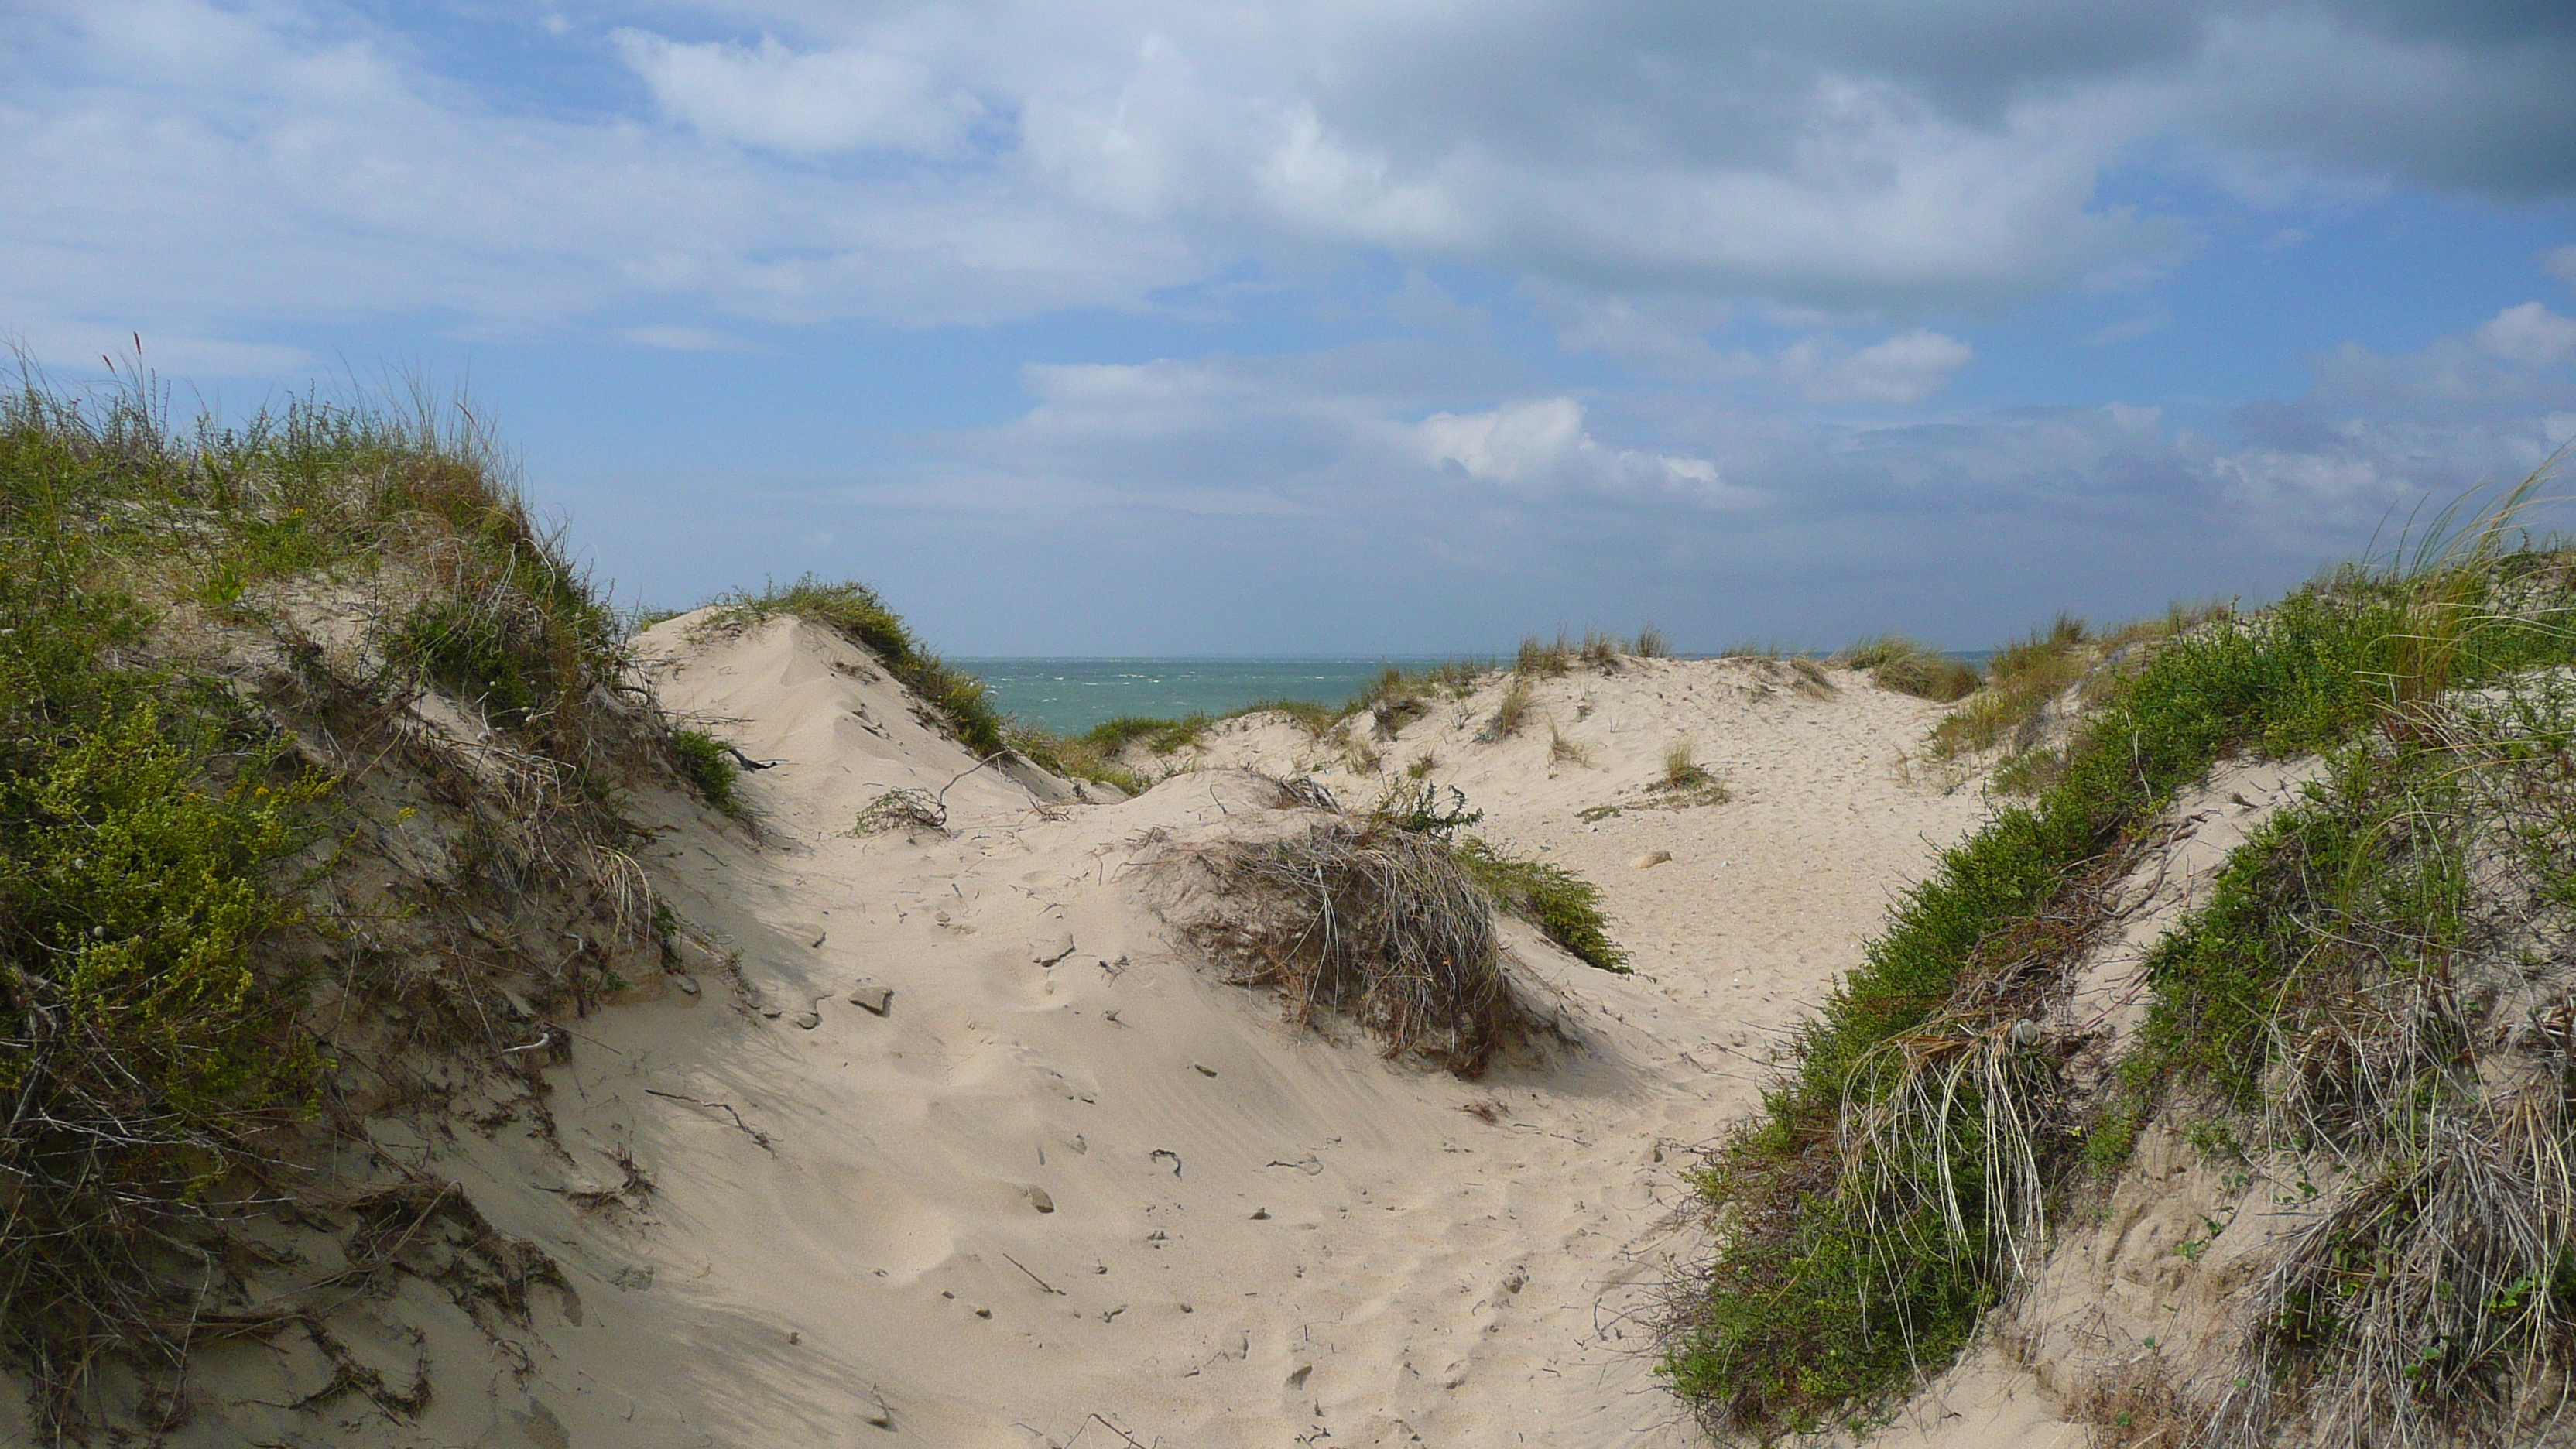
x=1069 y=696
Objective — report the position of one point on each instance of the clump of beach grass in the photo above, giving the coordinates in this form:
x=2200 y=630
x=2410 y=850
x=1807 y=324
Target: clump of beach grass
x=1563 y=751
x=1684 y=780
x=1382 y=923
x=1544 y=659
x=1511 y=712
x=2027 y=676
x=1895 y=662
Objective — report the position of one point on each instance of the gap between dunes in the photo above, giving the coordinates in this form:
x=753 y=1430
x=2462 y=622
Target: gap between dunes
x=1073 y=1186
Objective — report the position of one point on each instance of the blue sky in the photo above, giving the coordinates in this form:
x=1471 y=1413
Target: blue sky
x=1407 y=326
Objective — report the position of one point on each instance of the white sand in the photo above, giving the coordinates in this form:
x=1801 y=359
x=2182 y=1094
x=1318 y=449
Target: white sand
x=1115 y=1186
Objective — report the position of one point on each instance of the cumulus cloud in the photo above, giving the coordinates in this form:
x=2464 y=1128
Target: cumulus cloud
x=2530 y=334
x=1537 y=448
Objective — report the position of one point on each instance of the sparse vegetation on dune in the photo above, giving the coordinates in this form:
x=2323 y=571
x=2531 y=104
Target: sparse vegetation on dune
x=1905 y=1165
x=856 y=612
x=186 y=776
x=2035 y=687
x=1511 y=712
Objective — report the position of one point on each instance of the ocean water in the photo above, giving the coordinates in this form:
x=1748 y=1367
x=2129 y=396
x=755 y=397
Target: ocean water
x=1069 y=696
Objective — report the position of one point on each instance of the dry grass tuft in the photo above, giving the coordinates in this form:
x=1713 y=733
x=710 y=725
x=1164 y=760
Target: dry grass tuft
x=1562 y=751
x=1682 y=769
x=2435 y=1292
x=1685 y=781
x=1511 y=712
x=1379 y=922
x=902 y=810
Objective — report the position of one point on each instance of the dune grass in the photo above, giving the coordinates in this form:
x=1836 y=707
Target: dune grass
x=1869 y=1221
x=1544 y=658
x=158 y=832
x=1511 y=712
x=1895 y=662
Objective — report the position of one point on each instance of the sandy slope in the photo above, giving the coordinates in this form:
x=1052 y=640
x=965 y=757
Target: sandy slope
x=1057 y=1200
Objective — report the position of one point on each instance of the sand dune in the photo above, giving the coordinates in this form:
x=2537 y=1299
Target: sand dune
x=1071 y=1185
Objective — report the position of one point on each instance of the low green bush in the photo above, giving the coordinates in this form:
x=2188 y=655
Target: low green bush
x=706 y=763
x=1564 y=906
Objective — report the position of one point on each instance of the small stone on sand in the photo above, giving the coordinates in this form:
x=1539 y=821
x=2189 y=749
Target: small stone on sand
x=872 y=997
x=1039 y=1199
x=1047 y=953
x=1650 y=858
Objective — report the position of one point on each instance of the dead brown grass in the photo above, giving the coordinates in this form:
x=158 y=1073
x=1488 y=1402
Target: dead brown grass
x=1373 y=921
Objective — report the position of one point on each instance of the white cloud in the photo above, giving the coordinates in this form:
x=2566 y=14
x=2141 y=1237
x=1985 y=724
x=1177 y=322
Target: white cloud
x=1537 y=448
x=828 y=100
x=922 y=163
x=1903 y=370
x=2529 y=334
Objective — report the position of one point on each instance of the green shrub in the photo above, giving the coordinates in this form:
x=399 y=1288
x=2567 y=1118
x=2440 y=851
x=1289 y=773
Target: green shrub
x=469 y=653
x=1564 y=906
x=705 y=762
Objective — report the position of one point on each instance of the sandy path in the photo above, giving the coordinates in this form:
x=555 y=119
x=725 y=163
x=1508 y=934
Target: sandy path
x=1111 y=1195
